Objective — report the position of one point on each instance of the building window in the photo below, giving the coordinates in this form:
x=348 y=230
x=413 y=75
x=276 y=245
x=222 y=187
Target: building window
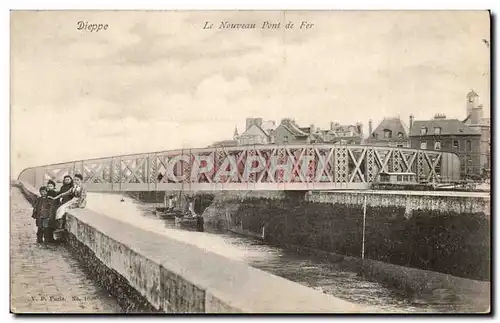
x=437 y=145
x=399 y=178
x=285 y=139
x=423 y=131
x=387 y=133
x=455 y=144
x=400 y=145
x=423 y=145
x=469 y=145
x=400 y=135
x=437 y=131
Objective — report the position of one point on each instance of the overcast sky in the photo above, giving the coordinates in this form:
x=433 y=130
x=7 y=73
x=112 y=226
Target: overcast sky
x=157 y=81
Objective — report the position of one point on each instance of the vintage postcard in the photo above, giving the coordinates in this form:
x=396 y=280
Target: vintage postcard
x=250 y=162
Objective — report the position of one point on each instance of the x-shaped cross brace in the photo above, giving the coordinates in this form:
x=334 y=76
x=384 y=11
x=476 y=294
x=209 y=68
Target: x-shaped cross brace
x=357 y=163
x=133 y=171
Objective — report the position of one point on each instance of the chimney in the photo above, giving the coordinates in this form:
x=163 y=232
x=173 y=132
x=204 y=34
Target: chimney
x=258 y=122
x=370 y=127
x=359 y=128
x=439 y=116
x=312 y=129
x=332 y=125
x=249 y=123
x=411 y=120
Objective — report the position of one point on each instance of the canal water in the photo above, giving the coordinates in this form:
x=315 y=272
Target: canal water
x=309 y=271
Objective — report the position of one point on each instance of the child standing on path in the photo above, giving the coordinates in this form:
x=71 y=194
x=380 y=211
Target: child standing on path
x=42 y=211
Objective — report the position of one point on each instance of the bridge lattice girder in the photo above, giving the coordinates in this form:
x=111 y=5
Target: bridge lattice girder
x=260 y=167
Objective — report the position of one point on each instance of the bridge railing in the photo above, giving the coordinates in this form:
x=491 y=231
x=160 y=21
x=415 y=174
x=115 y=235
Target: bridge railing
x=258 y=167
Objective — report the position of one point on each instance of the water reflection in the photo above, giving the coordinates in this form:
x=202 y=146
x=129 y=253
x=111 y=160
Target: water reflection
x=308 y=271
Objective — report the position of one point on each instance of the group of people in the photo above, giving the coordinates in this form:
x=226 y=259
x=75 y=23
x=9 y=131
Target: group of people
x=49 y=210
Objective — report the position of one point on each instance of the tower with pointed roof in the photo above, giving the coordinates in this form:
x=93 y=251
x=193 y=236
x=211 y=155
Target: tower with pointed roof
x=475 y=120
x=472 y=102
x=235 y=135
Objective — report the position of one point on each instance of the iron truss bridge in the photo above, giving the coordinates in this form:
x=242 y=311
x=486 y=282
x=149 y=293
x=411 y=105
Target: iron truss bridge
x=259 y=167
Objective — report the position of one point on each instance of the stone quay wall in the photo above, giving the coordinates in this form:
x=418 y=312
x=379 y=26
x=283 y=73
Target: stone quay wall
x=432 y=233
x=148 y=272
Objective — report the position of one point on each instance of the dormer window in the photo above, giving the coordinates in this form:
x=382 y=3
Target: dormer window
x=423 y=131
x=387 y=133
x=437 y=131
x=400 y=135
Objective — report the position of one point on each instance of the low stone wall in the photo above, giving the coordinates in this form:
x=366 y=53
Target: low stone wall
x=413 y=201
x=157 y=273
x=129 y=299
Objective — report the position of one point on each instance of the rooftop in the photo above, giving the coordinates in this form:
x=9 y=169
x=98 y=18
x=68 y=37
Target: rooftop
x=396 y=125
x=472 y=94
x=448 y=127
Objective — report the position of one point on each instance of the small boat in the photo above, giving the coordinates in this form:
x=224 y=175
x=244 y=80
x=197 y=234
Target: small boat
x=168 y=214
x=185 y=220
x=191 y=222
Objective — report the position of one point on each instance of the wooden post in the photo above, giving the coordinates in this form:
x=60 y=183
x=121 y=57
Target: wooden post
x=112 y=172
x=120 y=174
x=364 y=229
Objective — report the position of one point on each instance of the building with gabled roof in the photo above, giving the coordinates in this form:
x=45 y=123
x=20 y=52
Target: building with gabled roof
x=288 y=132
x=391 y=132
x=343 y=134
x=450 y=135
x=257 y=132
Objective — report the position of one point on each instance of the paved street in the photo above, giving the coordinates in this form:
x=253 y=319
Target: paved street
x=45 y=278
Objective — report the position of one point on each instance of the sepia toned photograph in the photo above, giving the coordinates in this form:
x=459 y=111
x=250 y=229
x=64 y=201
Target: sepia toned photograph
x=252 y=162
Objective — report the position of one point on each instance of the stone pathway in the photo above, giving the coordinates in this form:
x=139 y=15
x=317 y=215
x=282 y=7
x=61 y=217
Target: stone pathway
x=46 y=278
